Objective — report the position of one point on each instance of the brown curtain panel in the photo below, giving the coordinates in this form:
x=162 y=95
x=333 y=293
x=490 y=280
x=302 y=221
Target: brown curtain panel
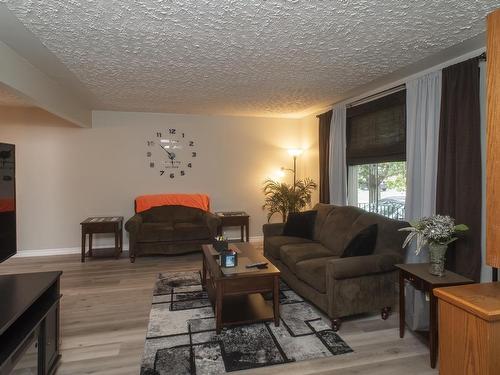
x=459 y=164
x=324 y=149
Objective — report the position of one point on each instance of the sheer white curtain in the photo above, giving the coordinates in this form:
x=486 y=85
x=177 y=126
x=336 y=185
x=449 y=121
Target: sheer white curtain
x=423 y=105
x=337 y=160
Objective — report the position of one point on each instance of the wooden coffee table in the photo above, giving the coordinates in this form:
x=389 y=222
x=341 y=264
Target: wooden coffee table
x=236 y=293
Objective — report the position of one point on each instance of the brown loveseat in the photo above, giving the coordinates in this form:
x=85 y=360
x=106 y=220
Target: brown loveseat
x=170 y=230
x=339 y=286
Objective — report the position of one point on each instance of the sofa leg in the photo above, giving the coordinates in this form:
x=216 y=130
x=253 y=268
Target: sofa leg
x=336 y=324
x=132 y=259
x=385 y=312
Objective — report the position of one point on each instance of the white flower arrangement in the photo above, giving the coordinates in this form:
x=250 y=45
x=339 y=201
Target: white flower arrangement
x=434 y=230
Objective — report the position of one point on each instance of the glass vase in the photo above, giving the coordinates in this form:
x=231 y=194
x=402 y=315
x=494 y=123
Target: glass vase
x=437 y=258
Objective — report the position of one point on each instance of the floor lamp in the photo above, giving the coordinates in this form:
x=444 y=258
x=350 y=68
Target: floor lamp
x=293 y=152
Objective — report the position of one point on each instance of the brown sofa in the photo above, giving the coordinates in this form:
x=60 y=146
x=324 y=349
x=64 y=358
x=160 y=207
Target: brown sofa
x=339 y=286
x=170 y=230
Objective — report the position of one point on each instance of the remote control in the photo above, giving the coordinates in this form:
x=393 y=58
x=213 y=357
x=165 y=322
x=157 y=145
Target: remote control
x=257 y=265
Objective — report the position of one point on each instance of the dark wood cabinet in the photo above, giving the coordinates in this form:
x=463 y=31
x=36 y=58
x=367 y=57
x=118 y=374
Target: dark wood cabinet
x=51 y=332
x=29 y=323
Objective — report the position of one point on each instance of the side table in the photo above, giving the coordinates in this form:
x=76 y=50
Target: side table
x=418 y=275
x=107 y=224
x=235 y=219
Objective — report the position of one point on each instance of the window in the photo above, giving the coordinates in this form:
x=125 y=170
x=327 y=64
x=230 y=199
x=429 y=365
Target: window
x=376 y=155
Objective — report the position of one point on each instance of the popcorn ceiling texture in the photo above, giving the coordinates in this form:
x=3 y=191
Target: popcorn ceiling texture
x=241 y=57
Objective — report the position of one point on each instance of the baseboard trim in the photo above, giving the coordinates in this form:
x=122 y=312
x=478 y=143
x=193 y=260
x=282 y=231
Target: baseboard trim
x=77 y=250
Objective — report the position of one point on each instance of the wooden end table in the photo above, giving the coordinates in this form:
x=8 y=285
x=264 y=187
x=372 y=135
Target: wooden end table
x=418 y=276
x=236 y=293
x=235 y=219
x=106 y=224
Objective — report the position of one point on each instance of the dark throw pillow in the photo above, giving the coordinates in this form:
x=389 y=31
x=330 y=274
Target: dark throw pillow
x=300 y=224
x=363 y=243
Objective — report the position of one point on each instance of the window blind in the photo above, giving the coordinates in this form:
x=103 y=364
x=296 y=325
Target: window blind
x=376 y=131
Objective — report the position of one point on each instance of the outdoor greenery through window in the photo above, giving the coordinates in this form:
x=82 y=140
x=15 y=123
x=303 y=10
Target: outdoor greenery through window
x=379 y=187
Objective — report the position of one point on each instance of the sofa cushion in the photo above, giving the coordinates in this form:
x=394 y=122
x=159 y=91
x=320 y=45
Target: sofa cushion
x=180 y=214
x=151 y=232
x=190 y=231
x=300 y=224
x=389 y=239
x=273 y=244
x=362 y=243
x=292 y=254
x=323 y=210
x=337 y=227
x=313 y=272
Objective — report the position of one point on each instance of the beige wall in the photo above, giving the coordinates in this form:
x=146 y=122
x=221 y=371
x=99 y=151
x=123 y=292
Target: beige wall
x=65 y=173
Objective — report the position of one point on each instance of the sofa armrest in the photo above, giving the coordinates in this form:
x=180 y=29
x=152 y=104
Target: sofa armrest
x=133 y=225
x=345 y=268
x=275 y=229
x=212 y=221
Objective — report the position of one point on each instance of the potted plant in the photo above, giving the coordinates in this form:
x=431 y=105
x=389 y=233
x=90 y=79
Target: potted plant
x=283 y=198
x=436 y=232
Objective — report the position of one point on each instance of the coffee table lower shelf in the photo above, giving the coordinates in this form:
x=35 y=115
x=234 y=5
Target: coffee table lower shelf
x=245 y=309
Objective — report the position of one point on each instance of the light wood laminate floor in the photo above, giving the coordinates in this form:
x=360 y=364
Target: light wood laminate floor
x=105 y=310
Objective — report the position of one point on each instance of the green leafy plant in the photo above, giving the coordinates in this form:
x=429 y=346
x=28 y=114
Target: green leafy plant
x=282 y=198
x=434 y=230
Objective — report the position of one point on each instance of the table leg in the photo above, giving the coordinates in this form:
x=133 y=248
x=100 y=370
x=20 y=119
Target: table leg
x=83 y=246
x=241 y=233
x=117 y=244
x=121 y=240
x=90 y=244
x=276 y=301
x=218 y=307
x=401 y=304
x=433 y=329
x=247 y=229
x=204 y=273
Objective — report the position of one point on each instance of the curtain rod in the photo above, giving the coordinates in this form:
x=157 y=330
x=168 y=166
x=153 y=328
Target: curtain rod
x=390 y=91
x=378 y=95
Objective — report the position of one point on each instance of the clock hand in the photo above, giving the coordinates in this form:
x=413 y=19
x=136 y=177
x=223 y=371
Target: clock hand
x=171 y=155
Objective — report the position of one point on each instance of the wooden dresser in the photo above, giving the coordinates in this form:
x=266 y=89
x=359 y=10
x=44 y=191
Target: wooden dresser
x=469 y=329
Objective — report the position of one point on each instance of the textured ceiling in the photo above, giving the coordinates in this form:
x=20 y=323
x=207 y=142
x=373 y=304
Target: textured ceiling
x=241 y=57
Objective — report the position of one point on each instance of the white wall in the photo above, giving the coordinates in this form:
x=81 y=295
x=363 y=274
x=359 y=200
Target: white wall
x=66 y=173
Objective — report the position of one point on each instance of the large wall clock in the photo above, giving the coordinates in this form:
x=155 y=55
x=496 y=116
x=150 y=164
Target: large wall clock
x=171 y=153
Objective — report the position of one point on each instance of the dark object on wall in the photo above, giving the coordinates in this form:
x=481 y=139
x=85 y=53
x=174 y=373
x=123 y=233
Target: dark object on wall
x=339 y=286
x=324 y=150
x=29 y=323
x=300 y=224
x=363 y=243
x=376 y=131
x=459 y=188
x=170 y=230
x=8 y=238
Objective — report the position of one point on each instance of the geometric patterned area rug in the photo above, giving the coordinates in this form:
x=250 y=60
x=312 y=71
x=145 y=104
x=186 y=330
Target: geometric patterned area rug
x=181 y=336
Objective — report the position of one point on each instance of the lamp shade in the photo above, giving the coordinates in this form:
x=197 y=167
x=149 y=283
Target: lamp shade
x=295 y=151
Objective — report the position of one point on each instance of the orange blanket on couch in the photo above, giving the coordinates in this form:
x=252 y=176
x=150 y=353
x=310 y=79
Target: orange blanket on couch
x=145 y=202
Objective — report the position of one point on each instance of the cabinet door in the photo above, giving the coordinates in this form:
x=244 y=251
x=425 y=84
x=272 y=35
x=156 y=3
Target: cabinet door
x=51 y=336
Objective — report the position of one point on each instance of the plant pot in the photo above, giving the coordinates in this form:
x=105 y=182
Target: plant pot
x=221 y=246
x=436 y=259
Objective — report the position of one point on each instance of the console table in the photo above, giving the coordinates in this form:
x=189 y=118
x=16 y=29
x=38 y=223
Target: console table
x=235 y=219
x=29 y=322
x=108 y=224
x=418 y=275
